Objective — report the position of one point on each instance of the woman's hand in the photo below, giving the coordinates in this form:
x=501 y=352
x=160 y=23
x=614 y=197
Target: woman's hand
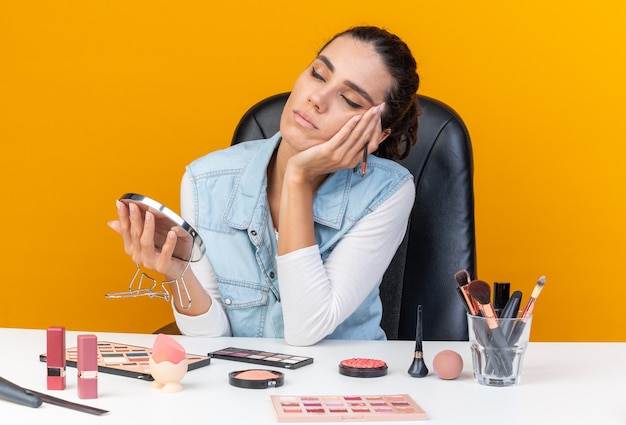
x=344 y=149
x=306 y=170
x=138 y=237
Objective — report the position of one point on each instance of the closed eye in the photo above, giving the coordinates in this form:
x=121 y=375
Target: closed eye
x=351 y=103
x=319 y=77
x=316 y=74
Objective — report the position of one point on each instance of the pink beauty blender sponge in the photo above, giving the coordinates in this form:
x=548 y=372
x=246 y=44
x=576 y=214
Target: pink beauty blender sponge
x=448 y=364
x=168 y=364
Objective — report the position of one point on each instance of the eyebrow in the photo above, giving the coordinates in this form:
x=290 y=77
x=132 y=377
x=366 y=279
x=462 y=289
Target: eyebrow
x=348 y=83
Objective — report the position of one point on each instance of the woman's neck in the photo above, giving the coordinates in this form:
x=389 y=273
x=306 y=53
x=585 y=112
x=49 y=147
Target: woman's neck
x=276 y=171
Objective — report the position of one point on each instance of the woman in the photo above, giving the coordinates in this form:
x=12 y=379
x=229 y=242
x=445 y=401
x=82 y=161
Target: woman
x=297 y=237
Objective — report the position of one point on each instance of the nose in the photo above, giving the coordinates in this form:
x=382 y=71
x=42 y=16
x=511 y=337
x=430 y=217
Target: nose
x=318 y=99
x=314 y=103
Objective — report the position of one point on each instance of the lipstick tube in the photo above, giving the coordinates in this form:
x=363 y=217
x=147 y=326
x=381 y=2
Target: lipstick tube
x=55 y=357
x=87 y=366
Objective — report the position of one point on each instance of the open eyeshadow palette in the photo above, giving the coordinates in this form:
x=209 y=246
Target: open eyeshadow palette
x=340 y=408
x=287 y=361
x=127 y=360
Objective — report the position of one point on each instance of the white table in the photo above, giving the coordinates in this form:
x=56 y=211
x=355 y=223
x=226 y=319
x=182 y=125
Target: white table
x=562 y=383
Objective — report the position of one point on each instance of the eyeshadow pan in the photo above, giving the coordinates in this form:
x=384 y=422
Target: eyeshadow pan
x=289 y=401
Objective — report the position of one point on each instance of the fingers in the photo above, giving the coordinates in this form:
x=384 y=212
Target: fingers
x=138 y=234
x=366 y=131
x=146 y=252
x=372 y=132
x=124 y=226
x=115 y=225
x=344 y=150
x=135 y=231
x=164 y=259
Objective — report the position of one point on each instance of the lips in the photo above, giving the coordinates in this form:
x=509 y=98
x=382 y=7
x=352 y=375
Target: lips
x=303 y=120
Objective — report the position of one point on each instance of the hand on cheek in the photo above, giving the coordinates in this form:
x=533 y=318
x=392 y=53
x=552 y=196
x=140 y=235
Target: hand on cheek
x=342 y=151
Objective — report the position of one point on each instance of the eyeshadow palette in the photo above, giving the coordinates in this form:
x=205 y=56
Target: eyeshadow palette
x=266 y=358
x=127 y=360
x=340 y=408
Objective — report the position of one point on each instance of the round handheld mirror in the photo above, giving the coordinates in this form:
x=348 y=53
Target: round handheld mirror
x=189 y=246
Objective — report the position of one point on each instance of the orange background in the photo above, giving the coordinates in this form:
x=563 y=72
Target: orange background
x=102 y=98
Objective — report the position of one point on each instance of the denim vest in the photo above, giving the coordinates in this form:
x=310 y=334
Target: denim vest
x=232 y=216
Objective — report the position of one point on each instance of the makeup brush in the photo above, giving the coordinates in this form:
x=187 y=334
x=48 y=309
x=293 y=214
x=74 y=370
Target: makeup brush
x=481 y=292
x=32 y=398
x=511 y=308
x=364 y=162
x=462 y=278
x=528 y=310
x=530 y=305
x=510 y=311
x=461 y=295
x=418 y=368
x=10 y=391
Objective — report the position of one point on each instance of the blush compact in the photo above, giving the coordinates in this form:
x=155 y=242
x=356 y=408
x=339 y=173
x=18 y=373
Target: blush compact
x=256 y=378
x=363 y=368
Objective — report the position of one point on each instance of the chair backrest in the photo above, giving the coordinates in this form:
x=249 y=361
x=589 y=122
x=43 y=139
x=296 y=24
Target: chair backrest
x=441 y=236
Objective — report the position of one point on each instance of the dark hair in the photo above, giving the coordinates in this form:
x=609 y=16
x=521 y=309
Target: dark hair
x=401 y=104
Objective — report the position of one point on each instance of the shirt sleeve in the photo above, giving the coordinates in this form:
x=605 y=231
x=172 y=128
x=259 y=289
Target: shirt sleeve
x=215 y=321
x=317 y=296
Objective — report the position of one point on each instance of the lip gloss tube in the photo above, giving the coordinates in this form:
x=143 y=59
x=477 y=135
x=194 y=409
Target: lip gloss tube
x=87 y=366
x=55 y=357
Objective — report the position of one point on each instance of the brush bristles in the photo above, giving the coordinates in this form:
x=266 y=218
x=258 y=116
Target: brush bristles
x=480 y=290
x=462 y=277
x=538 y=287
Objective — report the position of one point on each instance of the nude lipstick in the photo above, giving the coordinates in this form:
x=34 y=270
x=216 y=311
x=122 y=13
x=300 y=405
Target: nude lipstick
x=87 y=366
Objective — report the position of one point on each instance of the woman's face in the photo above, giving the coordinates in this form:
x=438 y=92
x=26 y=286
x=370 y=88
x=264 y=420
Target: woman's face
x=346 y=79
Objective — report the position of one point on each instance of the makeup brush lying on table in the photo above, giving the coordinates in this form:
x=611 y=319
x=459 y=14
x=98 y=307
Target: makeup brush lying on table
x=31 y=398
x=481 y=292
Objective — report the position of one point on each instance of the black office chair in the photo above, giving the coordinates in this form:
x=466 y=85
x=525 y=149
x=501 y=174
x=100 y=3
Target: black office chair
x=441 y=237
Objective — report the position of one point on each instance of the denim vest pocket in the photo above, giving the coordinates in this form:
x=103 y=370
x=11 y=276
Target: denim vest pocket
x=246 y=305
